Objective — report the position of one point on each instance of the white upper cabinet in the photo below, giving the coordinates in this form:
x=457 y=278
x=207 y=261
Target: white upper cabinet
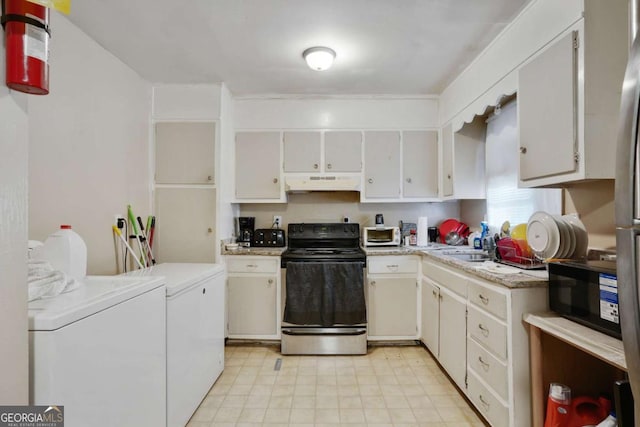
x=257 y=167
x=447 y=161
x=548 y=114
x=569 y=100
x=317 y=152
x=302 y=151
x=420 y=164
x=382 y=165
x=343 y=151
x=185 y=152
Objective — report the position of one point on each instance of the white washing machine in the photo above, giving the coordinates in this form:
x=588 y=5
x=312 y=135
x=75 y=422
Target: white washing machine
x=100 y=351
x=195 y=333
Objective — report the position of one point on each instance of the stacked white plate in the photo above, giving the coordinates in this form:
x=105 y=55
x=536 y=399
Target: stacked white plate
x=555 y=236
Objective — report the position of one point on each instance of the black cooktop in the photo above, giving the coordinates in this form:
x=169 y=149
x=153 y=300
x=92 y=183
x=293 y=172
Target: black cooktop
x=323 y=242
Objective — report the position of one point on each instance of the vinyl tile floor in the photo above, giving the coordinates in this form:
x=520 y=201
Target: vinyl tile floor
x=390 y=386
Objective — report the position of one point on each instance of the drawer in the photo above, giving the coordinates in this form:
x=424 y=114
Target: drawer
x=445 y=277
x=392 y=264
x=487 y=403
x=488 y=331
x=488 y=367
x=488 y=299
x=245 y=264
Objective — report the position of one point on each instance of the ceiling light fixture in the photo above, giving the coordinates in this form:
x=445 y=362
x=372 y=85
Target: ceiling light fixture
x=319 y=58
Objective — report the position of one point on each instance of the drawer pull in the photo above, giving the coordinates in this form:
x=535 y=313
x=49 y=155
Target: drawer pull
x=485 y=330
x=484 y=299
x=486 y=404
x=393 y=267
x=252 y=266
x=484 y=364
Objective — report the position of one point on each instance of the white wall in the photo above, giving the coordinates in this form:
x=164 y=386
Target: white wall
x=536 y=26
x=88 y=144
x=14 y=347
x=336 y=113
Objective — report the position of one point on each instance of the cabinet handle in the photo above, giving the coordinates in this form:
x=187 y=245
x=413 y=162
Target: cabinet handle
x=269 y=282
x=440 y=297
x=523 y=150
x=204 y=291
x=435 y=294
x=315 y=166
x=372 y=283
x=328 y=165
x=486 y=404
x=209 y=230
x=449 y=176
x=393 y=267
x=484 y=299
x=485 y=330
x=484 y=364
x=209 y=178
x=252 y=265
x=370 y=180
x=275 y=180
x=409 y=180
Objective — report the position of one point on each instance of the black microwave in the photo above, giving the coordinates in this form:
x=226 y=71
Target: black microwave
x=587 y=293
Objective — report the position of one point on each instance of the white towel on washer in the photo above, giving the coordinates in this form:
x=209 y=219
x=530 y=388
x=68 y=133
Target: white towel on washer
x=45 y=282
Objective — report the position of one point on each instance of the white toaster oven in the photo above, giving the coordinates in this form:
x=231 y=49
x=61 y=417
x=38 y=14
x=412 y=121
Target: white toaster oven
x=381 y=236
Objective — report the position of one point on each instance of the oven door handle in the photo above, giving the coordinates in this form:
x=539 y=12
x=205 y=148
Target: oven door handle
x=324 y=331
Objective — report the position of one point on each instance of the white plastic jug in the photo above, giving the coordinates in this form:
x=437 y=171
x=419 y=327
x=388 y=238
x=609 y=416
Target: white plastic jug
x=67 y=252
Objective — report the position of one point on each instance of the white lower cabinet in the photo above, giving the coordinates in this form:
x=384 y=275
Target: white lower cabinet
x=392 y=297
x=253 y=297
x=452 y=332
x=482 y=342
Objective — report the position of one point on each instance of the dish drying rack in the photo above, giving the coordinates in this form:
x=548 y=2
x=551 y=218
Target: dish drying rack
x=510 y=256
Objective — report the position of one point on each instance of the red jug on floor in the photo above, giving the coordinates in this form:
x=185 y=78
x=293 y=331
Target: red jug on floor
x=562 y=411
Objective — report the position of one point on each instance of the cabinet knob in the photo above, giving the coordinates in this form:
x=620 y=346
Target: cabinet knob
x=523 y=150
x=409 y=180
x=209 y=178
x=270 y=282
x=315 y=166
x=328 y=165
x=275 y=180
x=372 y=283
x=435 y=294
x=484 y=299
x=449 y=176
x=204 y=290
x=370 y=180
x=209 y=230
x=485 y=330
x=484 y=364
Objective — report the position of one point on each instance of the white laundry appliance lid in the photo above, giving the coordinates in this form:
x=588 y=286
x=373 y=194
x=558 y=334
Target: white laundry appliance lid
x=180 y=276
x=96 y=293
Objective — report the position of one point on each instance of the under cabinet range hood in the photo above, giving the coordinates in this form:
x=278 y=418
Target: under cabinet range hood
x=304 y=183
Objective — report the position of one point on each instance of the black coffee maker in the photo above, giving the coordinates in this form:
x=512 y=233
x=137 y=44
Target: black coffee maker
x=246 y=226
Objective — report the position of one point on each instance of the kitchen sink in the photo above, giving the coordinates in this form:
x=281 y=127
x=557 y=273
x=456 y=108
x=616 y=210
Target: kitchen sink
x=478 y=257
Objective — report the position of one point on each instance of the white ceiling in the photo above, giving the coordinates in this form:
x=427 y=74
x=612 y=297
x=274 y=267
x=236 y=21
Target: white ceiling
x=255 y=46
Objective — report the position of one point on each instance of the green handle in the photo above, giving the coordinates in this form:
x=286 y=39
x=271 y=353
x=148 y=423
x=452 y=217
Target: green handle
x=132 y=219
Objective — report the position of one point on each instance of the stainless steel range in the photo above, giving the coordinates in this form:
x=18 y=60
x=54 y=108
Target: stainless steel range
x=325 y=310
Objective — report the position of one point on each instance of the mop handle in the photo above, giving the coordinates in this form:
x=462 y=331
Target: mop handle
x=126 y=244
x=135 y=231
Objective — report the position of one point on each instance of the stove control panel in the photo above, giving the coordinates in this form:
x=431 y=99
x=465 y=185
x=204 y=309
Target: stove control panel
x=268 y=237
x=324 y=230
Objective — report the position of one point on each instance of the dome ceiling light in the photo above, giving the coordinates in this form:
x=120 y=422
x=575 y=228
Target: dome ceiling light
x=319 y=58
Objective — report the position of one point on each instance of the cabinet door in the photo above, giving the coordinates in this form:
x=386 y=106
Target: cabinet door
x=301 y=151
x=258 y=165
x=453 y=329
x=252 y=305
x=185 y=152
x=185 y=225
x=447 y=161
x=430 y=316
x=343 y=151
x=547 y=116
x=420 y=164
x=392 y=307
x=382 y=164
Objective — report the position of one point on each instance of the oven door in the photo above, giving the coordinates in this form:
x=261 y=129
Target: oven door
x=325 y=310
